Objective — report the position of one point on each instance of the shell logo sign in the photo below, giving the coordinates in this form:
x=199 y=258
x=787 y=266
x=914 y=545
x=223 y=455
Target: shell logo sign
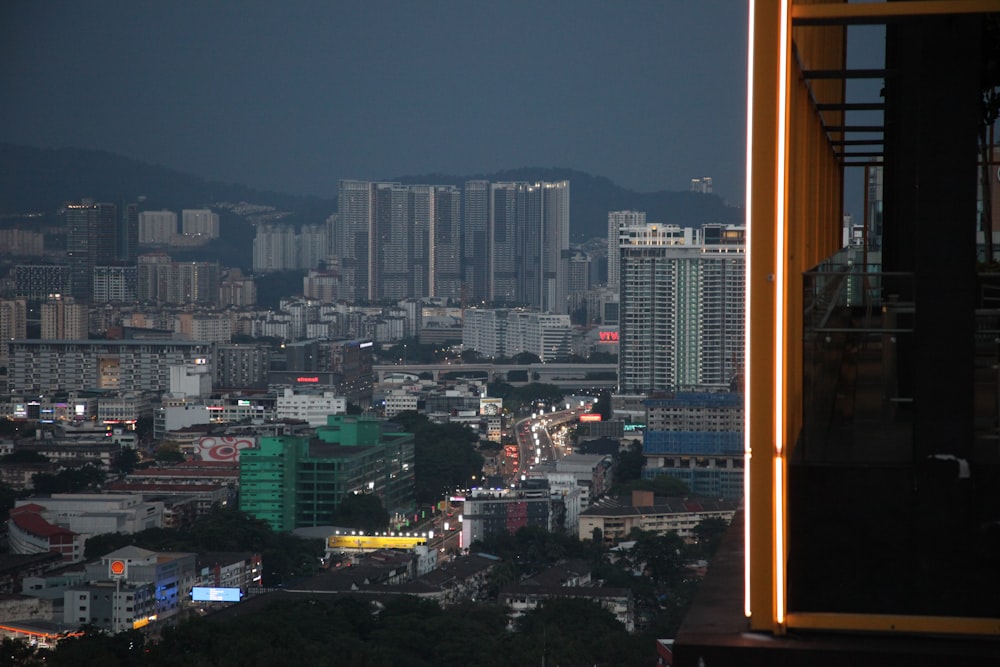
x=117 y=568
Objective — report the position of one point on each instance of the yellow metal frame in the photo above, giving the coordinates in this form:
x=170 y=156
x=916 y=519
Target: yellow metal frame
x=794 y=196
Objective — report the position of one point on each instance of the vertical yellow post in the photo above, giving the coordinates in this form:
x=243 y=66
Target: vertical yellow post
x=765 y=202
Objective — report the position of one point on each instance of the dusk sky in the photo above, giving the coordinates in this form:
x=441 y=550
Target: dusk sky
x=291 y=96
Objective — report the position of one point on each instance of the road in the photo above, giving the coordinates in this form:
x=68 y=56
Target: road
x=535 y=443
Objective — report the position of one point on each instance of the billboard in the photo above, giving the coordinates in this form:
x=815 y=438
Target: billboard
x=205 y=594
x=590 y=417
x=490 y=407
x=374 y=541
x=223 y=447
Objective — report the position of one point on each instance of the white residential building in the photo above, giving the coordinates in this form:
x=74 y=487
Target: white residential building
x=157 y=227
x=200 y=223
x=312 y=407
x=682 y=307
x=617 y=222
x=46 y=366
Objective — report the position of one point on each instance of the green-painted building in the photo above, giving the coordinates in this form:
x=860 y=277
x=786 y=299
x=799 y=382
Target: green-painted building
x=296 y=481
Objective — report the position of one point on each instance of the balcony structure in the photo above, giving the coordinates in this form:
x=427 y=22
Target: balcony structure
x=872 y=503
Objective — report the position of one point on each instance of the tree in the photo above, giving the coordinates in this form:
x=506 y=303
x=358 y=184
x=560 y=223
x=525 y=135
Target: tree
x=362 y=511
x=445 y=456
x=125 y=461
x=602 y=406
x=602 y=358
x=708 y=534
x=87 y=478
x=8 y=498
x=630 y=464
x=169 y=451
x=24 y=456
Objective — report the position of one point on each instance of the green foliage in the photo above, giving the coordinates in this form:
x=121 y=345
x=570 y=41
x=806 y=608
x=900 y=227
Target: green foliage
x=707 y=536
x=12 y=429
x=575 y=632
x=70 y=480
x=602 y=358
x=661 y=485
x=602 y=405
x=362 y=511
x=533 y=548
x=284 y=555
x=445 y=456
x=346 y=631
x=411 y=351
x=8 y=497
x=169 y=452
x=630 y=465
x=24 y=456
x=125 y=461
x=278 y=285
x=18 y=652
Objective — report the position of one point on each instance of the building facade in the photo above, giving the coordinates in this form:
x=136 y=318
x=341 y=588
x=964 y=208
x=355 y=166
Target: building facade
x=682 y=307
x=40 y=367
x=293 y=482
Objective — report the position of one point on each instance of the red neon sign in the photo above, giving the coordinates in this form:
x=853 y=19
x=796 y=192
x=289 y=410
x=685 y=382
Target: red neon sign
x=607 y=336
x=311 y=378
x=590 y=417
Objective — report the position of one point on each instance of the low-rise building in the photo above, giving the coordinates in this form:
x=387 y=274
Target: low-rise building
x=522 y=598
x=172 y=574
x=230 y=570
x=62 y=522
x=615 y=518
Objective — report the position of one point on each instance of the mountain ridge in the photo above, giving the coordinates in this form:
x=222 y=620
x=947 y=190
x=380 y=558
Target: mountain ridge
x=43 y=179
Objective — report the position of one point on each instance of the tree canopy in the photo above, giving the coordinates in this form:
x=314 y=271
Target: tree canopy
x=363 y=511
x=445 y=456
x=284 y=555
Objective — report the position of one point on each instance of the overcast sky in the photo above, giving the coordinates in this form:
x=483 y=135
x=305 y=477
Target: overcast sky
x=293 y=95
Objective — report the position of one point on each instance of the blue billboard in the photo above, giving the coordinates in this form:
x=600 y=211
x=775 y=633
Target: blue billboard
x=205 y=594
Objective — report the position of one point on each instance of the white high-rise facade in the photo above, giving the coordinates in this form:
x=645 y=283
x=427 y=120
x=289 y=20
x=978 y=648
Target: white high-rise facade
x=200 y=222
x=392 y=241
x=682 y=307
x=617 y=221
x=157 y=227
x=528 y=245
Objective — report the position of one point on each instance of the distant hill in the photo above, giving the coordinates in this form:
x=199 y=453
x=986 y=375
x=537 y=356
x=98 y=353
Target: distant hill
x=41 y=180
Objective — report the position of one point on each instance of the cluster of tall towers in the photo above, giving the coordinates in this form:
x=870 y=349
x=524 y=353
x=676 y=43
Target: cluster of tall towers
x=485 y=242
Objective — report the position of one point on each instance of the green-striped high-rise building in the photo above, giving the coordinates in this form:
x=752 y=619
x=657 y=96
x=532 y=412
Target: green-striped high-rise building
x=297 y=481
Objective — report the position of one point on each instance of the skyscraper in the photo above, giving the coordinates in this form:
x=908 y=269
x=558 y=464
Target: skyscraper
x=351 y=237
x=617 y=220
x=682 y=301
x=475 y=246
x=529 y=245
x=127 y=236
x=446 y=243
x=91 y=232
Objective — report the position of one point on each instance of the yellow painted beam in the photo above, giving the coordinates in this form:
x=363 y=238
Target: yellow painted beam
x=876 y=11
x=952 y=625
